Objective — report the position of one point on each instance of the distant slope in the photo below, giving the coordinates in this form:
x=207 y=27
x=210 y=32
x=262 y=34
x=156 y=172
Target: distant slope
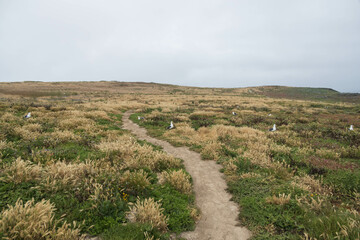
x=305 y=93
x=34 y=89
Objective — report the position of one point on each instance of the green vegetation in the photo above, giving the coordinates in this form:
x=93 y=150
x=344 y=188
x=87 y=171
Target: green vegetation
x=89 y=170
x=300 y=181
x=73 y=160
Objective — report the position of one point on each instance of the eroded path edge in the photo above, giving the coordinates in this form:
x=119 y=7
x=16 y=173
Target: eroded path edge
x=218 y=213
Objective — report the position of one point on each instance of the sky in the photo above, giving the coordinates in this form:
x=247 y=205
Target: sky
x=206 y=43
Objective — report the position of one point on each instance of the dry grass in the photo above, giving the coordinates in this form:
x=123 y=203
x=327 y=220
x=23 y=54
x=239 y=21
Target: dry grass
x=145 y=157
x=5 y=144
x=313 y=202
x=279 y=200
x=249 y=175
x=69 y=175
x=148 y=211
x=8 y=117
x=59 y=136
x=135 y=181
x=33 y=127
x=35 y=221
x=310 y=184
x=273 y=157
x=178 y=179
x=76 y=123
x=26 y=134
x=21 y=171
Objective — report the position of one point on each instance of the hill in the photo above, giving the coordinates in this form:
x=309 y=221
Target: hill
x=73 y=89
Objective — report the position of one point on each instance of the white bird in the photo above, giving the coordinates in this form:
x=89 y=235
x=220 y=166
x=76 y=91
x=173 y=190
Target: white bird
x=273 y=129
x=269 y=115
x=351 y=128
x=27 y=115
x=140 y=118
x=171 y=126
x=234 y=113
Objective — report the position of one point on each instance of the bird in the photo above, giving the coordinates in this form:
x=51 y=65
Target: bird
x=273 y=128
x=171 y=126
x=140 y=118
x=269 y=115
x=234 y=113
x=351 y=128
x=27 y=115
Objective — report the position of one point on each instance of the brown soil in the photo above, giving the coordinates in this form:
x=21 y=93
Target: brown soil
x=218 y=214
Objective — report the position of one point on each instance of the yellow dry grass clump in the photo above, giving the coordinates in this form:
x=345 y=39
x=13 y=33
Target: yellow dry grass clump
x=137 y=180
x=21 y=171
x=279 y=200
x=35 y=221
x=210 y=150
x=53 y=176
x=33 y=127
x=123 y=145
x=310 y=202
x=148 y=211
x=310 y=184
x=5 y=144
x=26 y=134
x=61 y=174
x=134 y=156
x=8 y=117
x=178 y=179
x=249 y=175
x=59 y=136
x=230 y=168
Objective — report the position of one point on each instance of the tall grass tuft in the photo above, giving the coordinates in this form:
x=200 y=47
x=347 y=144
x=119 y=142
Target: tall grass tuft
x=148 y=211
x=35 y=222
x=135 y=181
x=21 y=171
x=178 y=179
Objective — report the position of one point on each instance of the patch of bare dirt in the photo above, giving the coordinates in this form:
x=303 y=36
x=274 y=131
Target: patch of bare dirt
x=218 y=214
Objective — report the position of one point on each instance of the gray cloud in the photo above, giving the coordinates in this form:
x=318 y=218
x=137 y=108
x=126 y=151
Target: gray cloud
x=200 y=43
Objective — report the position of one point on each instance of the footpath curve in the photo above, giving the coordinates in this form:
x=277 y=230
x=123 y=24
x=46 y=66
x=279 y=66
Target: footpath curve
x=218 y=213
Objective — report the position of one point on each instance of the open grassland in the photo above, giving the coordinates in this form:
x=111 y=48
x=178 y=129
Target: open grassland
x=71 y=161
x=70 y=171
x=301 y=181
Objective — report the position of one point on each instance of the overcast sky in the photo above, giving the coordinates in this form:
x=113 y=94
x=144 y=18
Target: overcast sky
x=209 y=43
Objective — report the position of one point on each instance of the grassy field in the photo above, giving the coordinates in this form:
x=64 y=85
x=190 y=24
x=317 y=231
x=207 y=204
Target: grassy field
x=72 y=161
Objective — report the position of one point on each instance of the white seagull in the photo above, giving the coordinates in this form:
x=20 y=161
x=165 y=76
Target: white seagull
x=171 y=126
x=351 y=128
x=273 y=129
x=234 y=113
x=27 y=115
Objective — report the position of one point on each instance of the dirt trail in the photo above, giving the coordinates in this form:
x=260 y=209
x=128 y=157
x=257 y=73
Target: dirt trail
x=218 y=213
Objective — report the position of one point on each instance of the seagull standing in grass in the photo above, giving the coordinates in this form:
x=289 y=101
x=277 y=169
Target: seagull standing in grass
x=234 y=113
x=273 y=129
x=351 y=128
x=171 y=126
x=27 y=115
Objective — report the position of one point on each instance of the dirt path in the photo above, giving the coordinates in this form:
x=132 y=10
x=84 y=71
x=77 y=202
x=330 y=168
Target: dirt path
x=218 y=213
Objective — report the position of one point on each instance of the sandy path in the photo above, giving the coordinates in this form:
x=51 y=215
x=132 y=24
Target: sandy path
x=218 y=213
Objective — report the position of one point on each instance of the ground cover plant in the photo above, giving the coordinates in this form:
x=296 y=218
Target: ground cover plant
x=71 y=169
x=299 y=182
